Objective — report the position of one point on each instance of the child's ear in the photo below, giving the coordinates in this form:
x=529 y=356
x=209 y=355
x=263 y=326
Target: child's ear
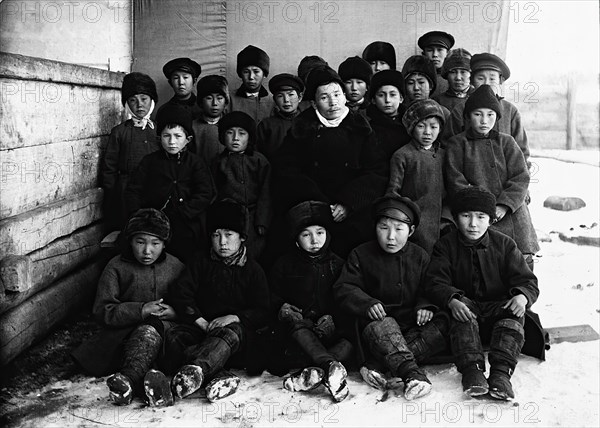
x=412 y=230
x=300 y=95
x=189 y=138
x=313 y=104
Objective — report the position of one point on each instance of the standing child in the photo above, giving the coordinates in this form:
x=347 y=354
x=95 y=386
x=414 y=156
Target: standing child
x=457 y=71
x=380 y=56
x=182 y=74
x=128 y=143
x=304 y=67
x=435 y=45
x=356 y=74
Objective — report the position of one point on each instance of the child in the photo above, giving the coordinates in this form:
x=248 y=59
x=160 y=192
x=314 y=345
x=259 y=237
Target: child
x=213 y=97
x=128 y=143
x=306 y=64
x=182 y=74
x=222 y=300
x=356 y=74
x=252 y=98
x=287 y=91
x=301 y=282
x=129 y=305
x=380 y=56
x=435 y=45
x=457 y=71
x=481 y=156
x=480 y=276
x=380 y=286
x=416 y=169
x=244 y=175
x=174 y=181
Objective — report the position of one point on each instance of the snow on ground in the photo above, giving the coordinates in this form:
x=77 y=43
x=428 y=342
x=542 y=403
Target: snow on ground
x=562 y=391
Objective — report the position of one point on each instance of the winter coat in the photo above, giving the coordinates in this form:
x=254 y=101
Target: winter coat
x=441 y=84
x=417 y=174
x=449 y=99
x=271 y=131
x=259 y=107
x=389 y=133
x=360 y=108
x=206 y=142
x=189 y=104
x=495 y=163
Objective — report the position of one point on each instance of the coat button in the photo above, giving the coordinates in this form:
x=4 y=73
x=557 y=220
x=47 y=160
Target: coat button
x=174 y=181
x=316 y=164
x=180 y=199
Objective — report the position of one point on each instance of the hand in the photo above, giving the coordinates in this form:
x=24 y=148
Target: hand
x=376 y=312
x=152 y=308
x=424 y=316
x=460 y=311
x=517 y=305
x=167 y=312
x=261 y=230
x=339 y=212
x=501 y=211
x=223 y=321
x=202 y=323
x=289 y=312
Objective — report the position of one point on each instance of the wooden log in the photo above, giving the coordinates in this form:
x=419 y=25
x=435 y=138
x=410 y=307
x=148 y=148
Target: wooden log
x=572 y=333
x=15 y=273
x=27 y=232
x=571 y=113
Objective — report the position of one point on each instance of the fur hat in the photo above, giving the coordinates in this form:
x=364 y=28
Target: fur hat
x=239 y=119
x=488 y=61
x=387 y=77
x=174 y=115
x=212 y=84
x=182 y=64
x=320 y=76
x=380 y=51
x=227 y=214
x=397 y=207
x=421 y=110
x=253 y=56
x=138 y=83
x=436 y=38
x=286 y=80
x=308 y=63
x=309 y=213
x=422 y=65
x=457 y=58
x=474 y=198
x=355 y=68
x=483 y=97
x=150 y=221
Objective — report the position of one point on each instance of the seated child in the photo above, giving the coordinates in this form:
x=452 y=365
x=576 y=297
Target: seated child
x=301 y=282
x=243 y=174
x=128 y=143
x=175 y=181
x=129 y=305
x=380 y=286
x=222 y=300
x=213 y=97
x=481 y=156
x=252 y=98
x=287 y=91
x=435 y=45
x=380 y=56
x=182 y=74
x=416 y=169
x=479 y=275
x=457 y=71
x=356 y=74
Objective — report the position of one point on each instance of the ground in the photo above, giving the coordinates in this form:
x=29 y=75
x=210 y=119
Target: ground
x=43 y=387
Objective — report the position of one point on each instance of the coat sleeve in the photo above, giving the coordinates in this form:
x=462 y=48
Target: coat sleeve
x=135 y=187
x=520 y=278
x=182 y=294
x=110 y=163
x=349 y=290
x=256 y=313
x=202 y=191
x=456 y=122
x=438 y=283
x=454 y=165
x=263 y=204
x=515 y=188
x=275 y=283
x=397 y=170
x=518 y=133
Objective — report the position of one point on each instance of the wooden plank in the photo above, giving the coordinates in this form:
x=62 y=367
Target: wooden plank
x=571 y=113
x=27 y=232
x=573 y=333
x=34 y=176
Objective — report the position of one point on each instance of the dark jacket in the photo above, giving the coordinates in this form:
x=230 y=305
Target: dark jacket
x=190 y=104
x=271 y=131
x=206 y=142
x=449 y=99
x=389 y=133
x=259 y=107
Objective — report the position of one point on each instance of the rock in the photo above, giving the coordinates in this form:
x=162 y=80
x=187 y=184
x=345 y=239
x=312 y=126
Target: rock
x=564 y=203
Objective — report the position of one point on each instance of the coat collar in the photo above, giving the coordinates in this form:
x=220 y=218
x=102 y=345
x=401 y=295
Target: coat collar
x=241 y=92
x=380 y=118
x=306 y=124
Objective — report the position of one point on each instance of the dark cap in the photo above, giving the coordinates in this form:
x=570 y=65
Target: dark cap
x=318 y=77
x=253 y=56
x=483 y=97
x=488 y=61
x=457 y=58
x=174 y=114
x=212 y=84
x=387 y=77
x=150 y=221
x=474 y=198
x=285 y=81
x=422 y=65
x=138 y=83
x=380 y=51
x=355 y=68
x=182 y=64
x=241 y=120
x=308 y=63
x=227 y=214
x=398 y=208
x=436 y=38
x=309 y=213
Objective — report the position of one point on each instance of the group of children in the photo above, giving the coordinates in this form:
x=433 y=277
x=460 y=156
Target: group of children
x=388 y=208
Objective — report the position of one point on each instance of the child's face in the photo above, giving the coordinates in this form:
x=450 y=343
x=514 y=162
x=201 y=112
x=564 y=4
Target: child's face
x=426 y=131
x=482 y=120
x=392 y=234
x=213 y=105
x=173 y=140
x=437 y=54
x=140 y=104
x=355 y=89
x=182 y=83
x=287 y=100
x=252 y=77
x=387 y=99
x=329 y=100
x=459 y=79
x=312 y=238
x=379 y=65
x=487 y=77
x=417 y=87
x=146 y=248
x=236 y=139
x=226 y=242
x=472 y=224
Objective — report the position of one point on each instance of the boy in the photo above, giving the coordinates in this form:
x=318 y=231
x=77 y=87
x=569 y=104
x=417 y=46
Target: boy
x=287 y=91
x=416 y=169
x=222 y=300
x=380 y=56
x=457 y=71
x=435 y=45
x=128 y=143
x=481 y=156
x=479 y=275
x=306 y=64
x=175 y=181
x=252 y=98
x=356 y=74
x=380 y=286
x=182 y=74
x=301 y=282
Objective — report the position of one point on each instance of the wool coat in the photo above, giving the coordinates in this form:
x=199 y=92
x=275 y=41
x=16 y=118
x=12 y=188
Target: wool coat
x=271 y=131
x=206 y=142
x=497 y=164
x=389 y=133
x=259 y=107
x=441 y=84
x=449 y=99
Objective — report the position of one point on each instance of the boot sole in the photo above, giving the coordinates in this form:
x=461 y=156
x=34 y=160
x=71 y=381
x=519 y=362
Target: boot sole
x=305 y=380
x=336 y=382
x=476 y=391
x=416 y=389
x=500 y=395
x=120 y=391
x=222 y=387
x=374 y=378
x=187 y=381
x=157 y=389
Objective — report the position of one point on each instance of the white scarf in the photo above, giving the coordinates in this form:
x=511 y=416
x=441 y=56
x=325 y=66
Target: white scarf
x=333 y=122
x=143 y=121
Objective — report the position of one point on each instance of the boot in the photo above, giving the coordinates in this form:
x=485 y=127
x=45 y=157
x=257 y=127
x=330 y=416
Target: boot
x=474 y=382
x=157 y=389
x=429 y=340
x=121 y=389
x=324 y=328
x=499 y=382
x=507 y=340
x=336 y=381
x=187 y=381
x=306 y=379
x=416 y=384
x=140 y=351
x=341 y=350
x=374 y=378
x=223 y=385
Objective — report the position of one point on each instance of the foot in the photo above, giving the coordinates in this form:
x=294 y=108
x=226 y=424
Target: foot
x=500 y=386
x=324 y=327
x=336 y=381
x=416 y=384
x=157 y=389
x=222 y=386
x=374 y=378
x=121 y=389
x=306 y=379
x=474 y=382
x=187 y=381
